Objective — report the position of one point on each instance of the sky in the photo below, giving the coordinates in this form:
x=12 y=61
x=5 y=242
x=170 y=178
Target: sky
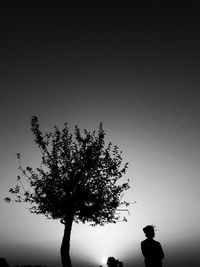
x=136 y=69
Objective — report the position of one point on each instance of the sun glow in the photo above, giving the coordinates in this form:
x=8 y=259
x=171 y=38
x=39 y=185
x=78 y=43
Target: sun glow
x=104 y=260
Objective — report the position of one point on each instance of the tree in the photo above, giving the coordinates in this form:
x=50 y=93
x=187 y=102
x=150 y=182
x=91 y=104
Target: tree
x=78 y=180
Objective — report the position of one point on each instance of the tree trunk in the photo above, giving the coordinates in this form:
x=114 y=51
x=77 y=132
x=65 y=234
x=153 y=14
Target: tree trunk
x=65 y=246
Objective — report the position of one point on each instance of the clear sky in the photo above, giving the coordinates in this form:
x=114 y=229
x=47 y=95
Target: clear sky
x=136 y=69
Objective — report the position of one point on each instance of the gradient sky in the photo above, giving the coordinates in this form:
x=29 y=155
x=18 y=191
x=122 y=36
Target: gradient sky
x=136 y=69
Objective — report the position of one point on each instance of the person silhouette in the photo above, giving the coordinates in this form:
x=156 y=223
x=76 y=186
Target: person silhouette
x=151 y=249
x=112 y=262
x=120 y=264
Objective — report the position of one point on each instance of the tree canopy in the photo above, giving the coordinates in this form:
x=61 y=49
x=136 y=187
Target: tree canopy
x=78 y=176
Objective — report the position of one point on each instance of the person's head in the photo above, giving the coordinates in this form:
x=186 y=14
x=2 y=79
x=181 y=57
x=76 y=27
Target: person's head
x=111 y=262
x=149 y=231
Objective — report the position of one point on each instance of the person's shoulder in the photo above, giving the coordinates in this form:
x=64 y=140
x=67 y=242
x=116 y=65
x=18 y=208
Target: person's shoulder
x=144 y=241
x=156 y=242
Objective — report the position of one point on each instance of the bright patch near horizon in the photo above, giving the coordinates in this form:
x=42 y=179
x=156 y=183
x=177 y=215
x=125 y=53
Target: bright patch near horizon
x=104 y=260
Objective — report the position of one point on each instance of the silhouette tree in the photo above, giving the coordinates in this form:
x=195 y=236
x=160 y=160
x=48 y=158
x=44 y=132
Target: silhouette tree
x=3 y=262
x=77 y=181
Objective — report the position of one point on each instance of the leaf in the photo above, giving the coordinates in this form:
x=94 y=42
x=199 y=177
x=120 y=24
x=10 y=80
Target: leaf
x=7 y=199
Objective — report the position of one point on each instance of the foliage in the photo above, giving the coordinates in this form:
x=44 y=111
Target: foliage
x=79 y=176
